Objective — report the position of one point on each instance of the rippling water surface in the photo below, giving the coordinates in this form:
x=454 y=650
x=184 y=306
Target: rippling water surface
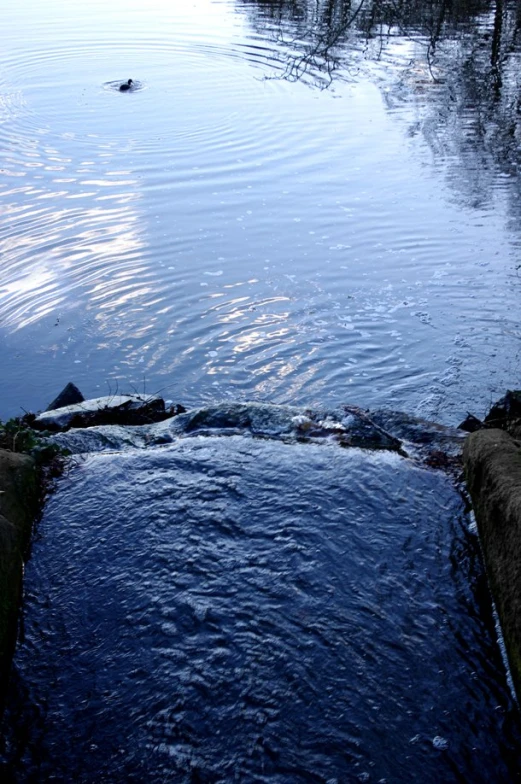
x=229 y=609
x=232 y=228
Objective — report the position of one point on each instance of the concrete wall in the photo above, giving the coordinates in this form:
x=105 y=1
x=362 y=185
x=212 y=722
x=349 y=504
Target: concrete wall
x=492 y=461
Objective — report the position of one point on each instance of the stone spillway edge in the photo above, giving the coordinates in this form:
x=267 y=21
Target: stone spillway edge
x=492 y=460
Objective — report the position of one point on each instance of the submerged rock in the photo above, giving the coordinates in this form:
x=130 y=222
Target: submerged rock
x=103 y=438
x=422 y=434
x=349 y=426
x=346 y=426
x=109 y=410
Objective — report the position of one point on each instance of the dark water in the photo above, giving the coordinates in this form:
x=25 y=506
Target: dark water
x=300 y=202
x=228 y=609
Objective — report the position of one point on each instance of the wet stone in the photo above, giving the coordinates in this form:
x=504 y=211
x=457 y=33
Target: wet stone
x=505 y=410
x=471 y=423
x=69 y=396
x=348 y=427
x=108 y=410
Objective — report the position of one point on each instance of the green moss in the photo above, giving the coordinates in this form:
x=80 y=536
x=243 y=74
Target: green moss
x=28 y=463
x=17 y=435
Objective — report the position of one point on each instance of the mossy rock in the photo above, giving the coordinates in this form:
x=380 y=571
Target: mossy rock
x=493 y=471
x=19 y=496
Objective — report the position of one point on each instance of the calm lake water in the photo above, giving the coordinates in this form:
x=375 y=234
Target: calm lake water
x=265 y=216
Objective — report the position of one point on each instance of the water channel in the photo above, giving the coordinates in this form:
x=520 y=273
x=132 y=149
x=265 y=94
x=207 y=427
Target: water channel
x=310 y=203
x=227 y=608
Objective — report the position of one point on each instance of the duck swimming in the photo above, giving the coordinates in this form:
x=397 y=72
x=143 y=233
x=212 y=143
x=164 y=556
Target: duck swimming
x=126 y=86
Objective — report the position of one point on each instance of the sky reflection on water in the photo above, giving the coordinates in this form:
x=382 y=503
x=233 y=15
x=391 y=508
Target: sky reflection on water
x=221 y=233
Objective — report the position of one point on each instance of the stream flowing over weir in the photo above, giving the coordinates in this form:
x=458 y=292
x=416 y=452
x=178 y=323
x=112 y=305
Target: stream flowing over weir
x=229 y=607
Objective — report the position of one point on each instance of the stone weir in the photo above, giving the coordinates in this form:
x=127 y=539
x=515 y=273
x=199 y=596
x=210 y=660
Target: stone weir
x=120 y=422
x=492 y=462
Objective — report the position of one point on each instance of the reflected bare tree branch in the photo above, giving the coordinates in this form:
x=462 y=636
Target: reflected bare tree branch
x=459 y=60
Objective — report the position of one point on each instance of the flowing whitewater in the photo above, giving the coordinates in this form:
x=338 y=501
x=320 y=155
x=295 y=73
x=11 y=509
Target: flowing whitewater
x=238 y=608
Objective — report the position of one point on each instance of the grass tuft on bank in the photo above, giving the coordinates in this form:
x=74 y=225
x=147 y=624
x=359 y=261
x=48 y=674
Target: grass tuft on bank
x=17 y=435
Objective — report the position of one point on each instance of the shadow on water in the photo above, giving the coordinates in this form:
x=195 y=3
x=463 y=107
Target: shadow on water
x=232 y=609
